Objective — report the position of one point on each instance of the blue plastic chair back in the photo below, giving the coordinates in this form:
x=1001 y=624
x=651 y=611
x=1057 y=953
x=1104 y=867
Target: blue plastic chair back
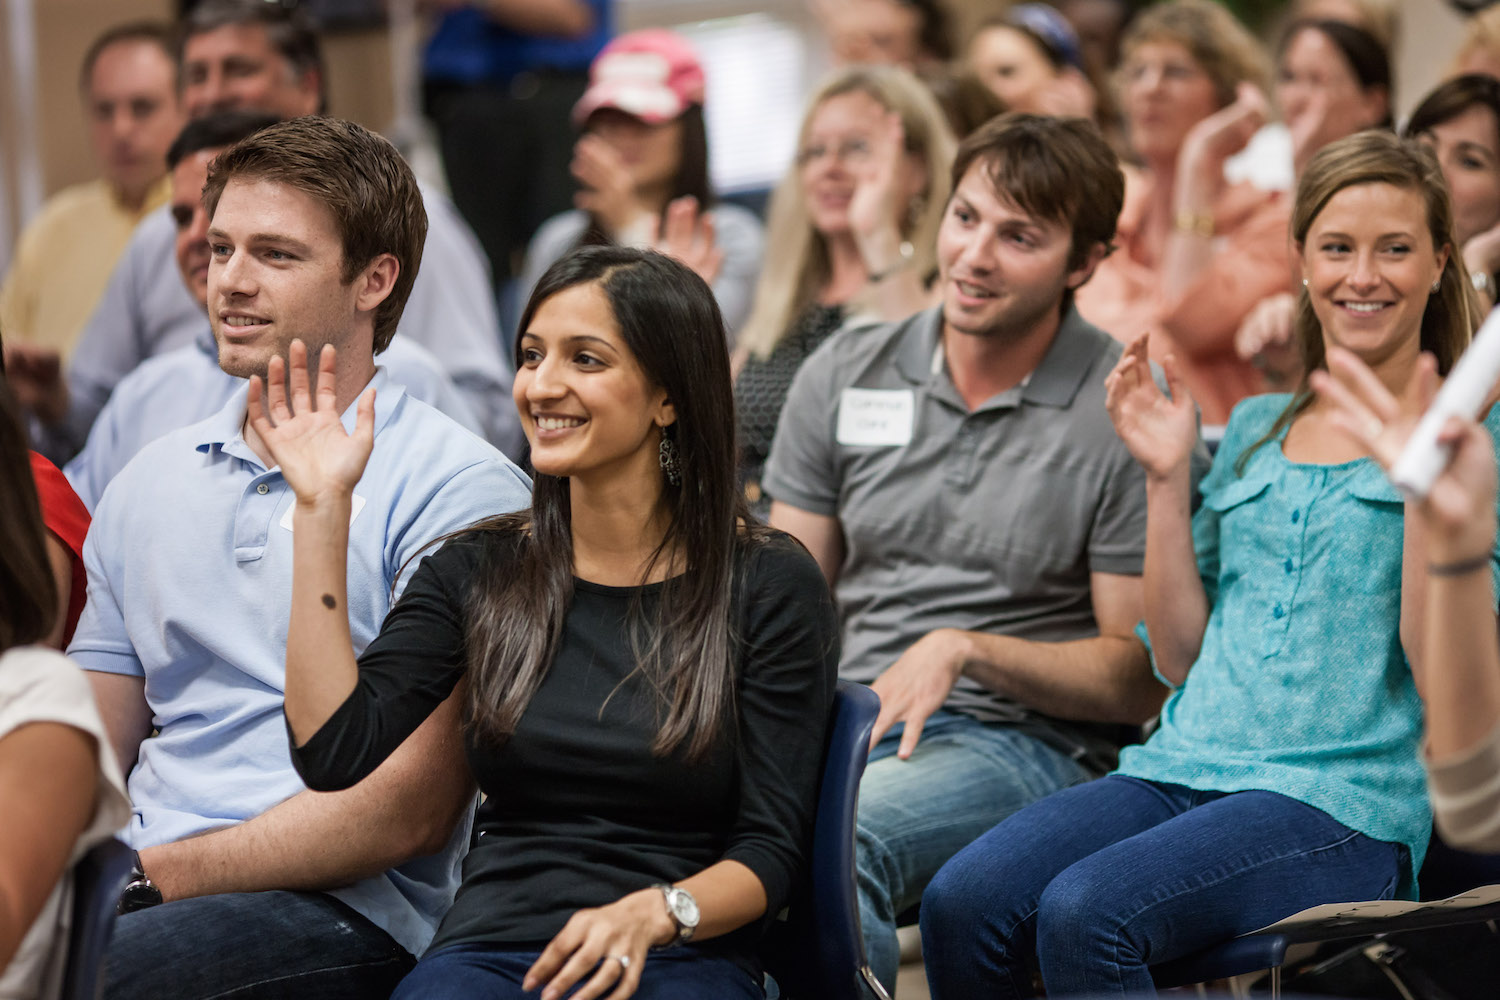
x=816 y=952
x=98 y=879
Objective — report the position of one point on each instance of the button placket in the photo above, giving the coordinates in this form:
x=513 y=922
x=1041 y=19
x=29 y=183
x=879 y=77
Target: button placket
x=960 y=462
x=1301 y=487
x=256 y=515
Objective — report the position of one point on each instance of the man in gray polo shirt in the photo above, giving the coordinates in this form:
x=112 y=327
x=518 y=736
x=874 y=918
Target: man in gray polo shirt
x=958 y=479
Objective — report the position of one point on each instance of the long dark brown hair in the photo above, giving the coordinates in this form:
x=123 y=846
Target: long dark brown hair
x=28 y=592
x=1378 y=157
x=670 y=322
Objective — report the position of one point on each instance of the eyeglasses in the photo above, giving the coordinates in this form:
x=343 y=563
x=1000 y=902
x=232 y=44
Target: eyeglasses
x=847 y=151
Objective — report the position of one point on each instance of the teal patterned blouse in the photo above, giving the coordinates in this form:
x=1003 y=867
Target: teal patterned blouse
x=1301 y=686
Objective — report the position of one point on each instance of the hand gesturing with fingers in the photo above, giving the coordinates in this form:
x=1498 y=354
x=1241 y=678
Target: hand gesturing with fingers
x=688 y=235
x=604 y=948
x=1159 y=431
x=1459 y=509
x=296 y=414
x=879 y=200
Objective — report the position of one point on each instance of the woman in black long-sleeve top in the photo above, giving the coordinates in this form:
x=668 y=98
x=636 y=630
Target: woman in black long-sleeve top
x=647 y=673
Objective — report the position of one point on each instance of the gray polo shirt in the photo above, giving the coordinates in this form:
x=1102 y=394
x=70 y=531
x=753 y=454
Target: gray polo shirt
x=989 y=521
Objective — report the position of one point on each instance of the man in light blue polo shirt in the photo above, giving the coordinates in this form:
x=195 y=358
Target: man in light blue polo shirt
x=959 y=481
x=316 y=232
x=185 y=385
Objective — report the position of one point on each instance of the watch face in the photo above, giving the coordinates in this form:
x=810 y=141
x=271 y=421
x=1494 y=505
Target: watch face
x=685 y=908
x=139 y=895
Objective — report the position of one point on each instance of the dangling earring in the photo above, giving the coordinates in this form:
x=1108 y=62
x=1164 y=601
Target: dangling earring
x=670 y=467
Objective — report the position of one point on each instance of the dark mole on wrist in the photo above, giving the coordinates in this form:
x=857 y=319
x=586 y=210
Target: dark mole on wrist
x=329 y=602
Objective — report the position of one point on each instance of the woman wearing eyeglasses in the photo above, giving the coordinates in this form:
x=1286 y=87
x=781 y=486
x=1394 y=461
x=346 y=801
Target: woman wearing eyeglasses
x=852 y=235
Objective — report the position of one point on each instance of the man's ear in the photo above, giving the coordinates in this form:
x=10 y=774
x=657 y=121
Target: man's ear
x=1085 y=271
x=376 y=281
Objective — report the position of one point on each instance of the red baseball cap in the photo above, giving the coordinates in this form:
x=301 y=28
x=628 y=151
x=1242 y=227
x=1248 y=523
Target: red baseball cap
x=652 y=74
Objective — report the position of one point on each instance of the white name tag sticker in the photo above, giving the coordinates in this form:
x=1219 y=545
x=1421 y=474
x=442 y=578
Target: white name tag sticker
x=356 y=504
x=876 y=417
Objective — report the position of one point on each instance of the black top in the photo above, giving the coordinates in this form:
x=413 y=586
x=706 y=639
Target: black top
x=760 y=393
x=578 y=810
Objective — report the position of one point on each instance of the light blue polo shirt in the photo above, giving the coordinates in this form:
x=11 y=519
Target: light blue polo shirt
x=189 y=563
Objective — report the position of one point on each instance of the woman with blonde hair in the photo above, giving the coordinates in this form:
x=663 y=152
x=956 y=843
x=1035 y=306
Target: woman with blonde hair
x=1195 y=252
x=1287 y=615
x=853 y=231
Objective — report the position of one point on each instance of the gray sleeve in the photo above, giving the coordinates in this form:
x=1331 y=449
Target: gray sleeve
x=739 y=234
x=1117 y=539
x=452 y=313
x=802 y=469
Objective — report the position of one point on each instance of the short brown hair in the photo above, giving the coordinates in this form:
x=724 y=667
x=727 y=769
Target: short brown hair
x=1060 y=169
x=28 y=592
x=1216 y=40
x=366 y=185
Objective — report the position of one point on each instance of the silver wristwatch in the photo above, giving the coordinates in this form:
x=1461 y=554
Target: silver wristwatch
x=682 y=908
x=1482 y=283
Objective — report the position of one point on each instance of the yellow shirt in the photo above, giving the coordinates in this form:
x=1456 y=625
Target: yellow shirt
x=64 y=260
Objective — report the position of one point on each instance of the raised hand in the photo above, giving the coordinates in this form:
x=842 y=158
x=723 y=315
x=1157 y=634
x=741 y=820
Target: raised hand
x=1200 y=163
x=688 y=235
x=1266 y=340
x=1160 y=432
x=1459 y=510
x=1229 y=130
x=301 y=427
x=1309 y=129
x=34 y=375
x=593 y=943
x=882 y=189
x=1482 y=256
x=608 y=191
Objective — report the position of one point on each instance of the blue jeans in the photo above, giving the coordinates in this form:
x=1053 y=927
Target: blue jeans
x=963 y=778
x=252 y=946
x=481 y=972
x=1101 y=881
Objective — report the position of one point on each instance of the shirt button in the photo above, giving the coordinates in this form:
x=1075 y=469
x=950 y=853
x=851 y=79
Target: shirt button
x=1288 y=565
x=1278 y=612
x=1296 y=516
x=262 y=489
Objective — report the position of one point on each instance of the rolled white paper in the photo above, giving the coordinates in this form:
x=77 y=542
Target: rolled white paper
x=1462 y=395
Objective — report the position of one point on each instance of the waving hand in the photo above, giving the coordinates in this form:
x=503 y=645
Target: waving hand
x=298 y=419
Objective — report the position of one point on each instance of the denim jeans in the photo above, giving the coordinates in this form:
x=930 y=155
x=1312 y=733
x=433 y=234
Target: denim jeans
x=252 y=946
x=963 y=778
x=1101 y=881
x=481 y=972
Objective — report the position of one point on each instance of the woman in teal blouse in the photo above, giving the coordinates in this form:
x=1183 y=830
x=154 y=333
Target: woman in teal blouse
x=1285 y=771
